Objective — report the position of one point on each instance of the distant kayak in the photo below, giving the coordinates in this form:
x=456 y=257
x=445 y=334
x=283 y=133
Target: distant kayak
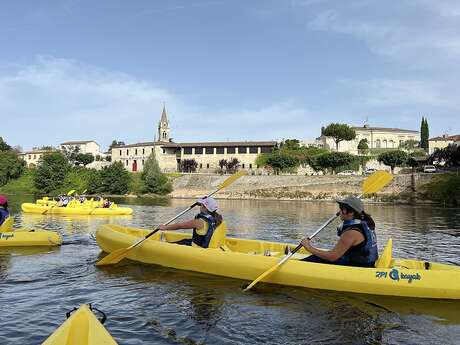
x=82 y=210
x=27 y=238
x=247 y=259
x=81 y=328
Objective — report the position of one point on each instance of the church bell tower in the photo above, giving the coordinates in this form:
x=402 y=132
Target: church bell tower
x=163 y=127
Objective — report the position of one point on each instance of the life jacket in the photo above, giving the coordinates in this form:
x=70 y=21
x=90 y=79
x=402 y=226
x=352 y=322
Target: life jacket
x=203 y=240
x=3 y=215
x=365 y=253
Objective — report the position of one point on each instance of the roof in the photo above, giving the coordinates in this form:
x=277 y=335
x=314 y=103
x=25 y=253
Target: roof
x=208 y=144
x=399 y=130
x=78 y=142
x=164 y=118
x=37 y=151
x=446 y=138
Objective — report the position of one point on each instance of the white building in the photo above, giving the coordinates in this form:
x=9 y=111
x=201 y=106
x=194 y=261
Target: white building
x=443 y=141
x=83 y=146
x=32 y=157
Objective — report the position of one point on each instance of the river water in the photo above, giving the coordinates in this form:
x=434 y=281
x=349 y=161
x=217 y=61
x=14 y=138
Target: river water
x=155 y=305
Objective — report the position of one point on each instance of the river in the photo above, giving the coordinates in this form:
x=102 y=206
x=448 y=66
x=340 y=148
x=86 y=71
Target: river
x=156 y=305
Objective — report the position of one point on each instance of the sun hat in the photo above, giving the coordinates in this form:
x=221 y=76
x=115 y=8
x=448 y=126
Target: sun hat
x=353 y=202
x=209 y=203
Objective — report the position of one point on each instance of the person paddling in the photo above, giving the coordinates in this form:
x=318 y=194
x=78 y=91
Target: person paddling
x=357 y=245
x=204 y=224
x=3 y=209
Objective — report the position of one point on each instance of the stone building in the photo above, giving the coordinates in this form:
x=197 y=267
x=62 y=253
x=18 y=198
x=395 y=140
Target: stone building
x=441 y=142
x=32 y=157
x=169 y=154
x=377 y=138
x=83 y=146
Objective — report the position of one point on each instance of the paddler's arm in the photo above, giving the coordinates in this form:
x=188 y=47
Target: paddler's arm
x=191 y=224
x=347 y=240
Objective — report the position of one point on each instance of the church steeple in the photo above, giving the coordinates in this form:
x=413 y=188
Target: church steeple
x=163 y=126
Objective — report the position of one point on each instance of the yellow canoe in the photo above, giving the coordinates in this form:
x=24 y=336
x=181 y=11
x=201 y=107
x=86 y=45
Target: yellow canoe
x=27 y=238
x=81 y=328
x=34 y=208
x=247 y=259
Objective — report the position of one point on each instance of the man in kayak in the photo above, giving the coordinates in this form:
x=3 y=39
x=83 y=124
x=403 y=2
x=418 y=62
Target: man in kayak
x=204 y=224
x=357 y=245
x=3 y=209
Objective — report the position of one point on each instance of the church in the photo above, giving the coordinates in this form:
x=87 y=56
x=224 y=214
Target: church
x=207 y=155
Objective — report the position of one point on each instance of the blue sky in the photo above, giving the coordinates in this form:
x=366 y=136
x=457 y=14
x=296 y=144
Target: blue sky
x=227 y=70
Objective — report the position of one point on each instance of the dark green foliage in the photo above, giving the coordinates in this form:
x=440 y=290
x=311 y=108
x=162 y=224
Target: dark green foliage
x=332 y=161
x=339 y=132
x=363 y=145
x=409 y=145
x=11 y=166
x=396 y=158
x=4 y=146
x=115 y=179
x=290 y=144
x=450 y=155
x=188 y=165
x=116 y=143
x=51 y=172
x=233 y=165
x=444 y=188
x=281 y=162
x=154 y=180
x=84 y=158
x=424 y=134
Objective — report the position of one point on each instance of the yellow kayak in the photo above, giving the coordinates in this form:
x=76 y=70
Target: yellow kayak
x=27 y=238
x=34 y=208
x=247 y=259
x=7 y=225
x=81 y=328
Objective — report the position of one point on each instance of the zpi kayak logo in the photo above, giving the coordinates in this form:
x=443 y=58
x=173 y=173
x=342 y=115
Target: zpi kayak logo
x=5 y=236
x=394 y=274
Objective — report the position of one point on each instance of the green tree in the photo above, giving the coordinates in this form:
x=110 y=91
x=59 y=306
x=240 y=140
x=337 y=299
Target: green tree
x=424 y=133
x=51 y=172
x=363 y=145
x=233 y=165
x=393 y=159
x=281 y=162
x=188 y=165
x=11 y=166
x=339 y=132
x=115 y=179
x=409 y=145
x=155 y=181
x=290 y=144
x=4 y=146
x=331 y=161
x=116 y=143
x=84 y=158
x=450 y=155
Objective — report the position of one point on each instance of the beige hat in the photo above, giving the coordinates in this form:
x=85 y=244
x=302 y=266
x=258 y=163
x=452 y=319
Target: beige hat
x=354 y=202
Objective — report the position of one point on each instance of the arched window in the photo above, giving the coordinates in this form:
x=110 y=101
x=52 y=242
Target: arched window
x=385 y=144
x=377 y=143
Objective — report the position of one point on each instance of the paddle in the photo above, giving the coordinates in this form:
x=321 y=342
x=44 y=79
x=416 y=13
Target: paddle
x=372 y=184
x=117 y=255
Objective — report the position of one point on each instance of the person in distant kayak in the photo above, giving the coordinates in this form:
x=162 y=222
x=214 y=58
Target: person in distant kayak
x=63 y=201
x=357 y=245
x=204 y=224
x=3 y=209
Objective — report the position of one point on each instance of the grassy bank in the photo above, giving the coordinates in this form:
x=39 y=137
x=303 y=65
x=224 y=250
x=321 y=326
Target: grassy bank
x=22 y=185
x=443 y=188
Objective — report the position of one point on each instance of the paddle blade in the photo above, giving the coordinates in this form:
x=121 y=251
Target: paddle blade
x=114 y=257
x=376 y=182
x=262 y=276
x=70 y=192
x=232 y=179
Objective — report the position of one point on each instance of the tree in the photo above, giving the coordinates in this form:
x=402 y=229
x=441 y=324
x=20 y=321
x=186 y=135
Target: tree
x=450 y=155
x=409 y=145
x=424 y=133
x=331 y=160
x=188 y=165
x=51 y=172
x=282 y=162
x=290 y=144
x=11 y=166
x=84 y=158
x=4 y=146
x=155 y=181
x=233 y=165
x=115 y=179
x=362 y=145
x=393 y=158
x=339 y=132
x=116 y=143
x=71 y=153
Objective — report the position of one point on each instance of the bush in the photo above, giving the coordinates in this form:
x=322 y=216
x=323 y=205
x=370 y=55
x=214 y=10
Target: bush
x=154 y=180
x=11 y=166
x=51 y=172
x=282 y=162
x=444 y=188
x=332 y=161
x=393 y=159
x=115 y=179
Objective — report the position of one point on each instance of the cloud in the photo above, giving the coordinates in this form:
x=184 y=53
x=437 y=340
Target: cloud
x=52 y=100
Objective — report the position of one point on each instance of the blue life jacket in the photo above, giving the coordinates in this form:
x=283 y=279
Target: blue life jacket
x=365 y=253
x=3 y=215
x=203 y=240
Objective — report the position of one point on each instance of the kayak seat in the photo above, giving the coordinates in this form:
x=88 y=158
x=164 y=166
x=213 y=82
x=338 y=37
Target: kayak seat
x=218 y=237
x=385 y=260
x=7 y=225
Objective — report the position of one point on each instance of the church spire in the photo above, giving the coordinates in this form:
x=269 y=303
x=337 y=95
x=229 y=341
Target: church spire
x=164 y=117
x=163 y=126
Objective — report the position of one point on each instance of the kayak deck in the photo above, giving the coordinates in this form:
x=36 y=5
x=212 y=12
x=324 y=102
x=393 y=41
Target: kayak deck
x=27 y=238
x=80 y=210
x=247 y=259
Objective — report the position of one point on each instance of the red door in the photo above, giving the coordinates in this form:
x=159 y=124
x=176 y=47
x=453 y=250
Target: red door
x=134 y=166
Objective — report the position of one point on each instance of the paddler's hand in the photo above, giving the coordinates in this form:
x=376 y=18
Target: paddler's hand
x=306 y=243
x=162 y=227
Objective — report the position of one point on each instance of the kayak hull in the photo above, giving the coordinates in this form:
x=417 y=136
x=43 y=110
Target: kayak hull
x=24 y=238
x=43 y=209
x=245 y=259
x=81 y=328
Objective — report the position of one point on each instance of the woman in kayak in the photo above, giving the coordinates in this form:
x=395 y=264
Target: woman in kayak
x=357 y=244
x=3 y=209
x=204 y=224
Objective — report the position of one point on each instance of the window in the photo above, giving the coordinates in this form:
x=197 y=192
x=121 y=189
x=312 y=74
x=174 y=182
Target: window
x=242 y=149
x=207 y=166
x=220 y=150
x=266 y=149
x=187 y=150
x=164 y=151
x=30 y=156
x=201 y=165
x=242 y=165
x=377 y=143
x=257 y=166
x=392 y=144
x=253 y=149
x=231 y=149
x=35 y=156
x=210 y=150
x=198 y=150
x=250 y=166
x=127 y=152
x=143 y=152
x=120 y=152
x=401 y=143
x=135 y=151
x=127 y=163
x=385 y=144
x=152 y=149
x=142 y=162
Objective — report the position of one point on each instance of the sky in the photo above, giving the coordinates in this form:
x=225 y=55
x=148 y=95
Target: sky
x=226 y=70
